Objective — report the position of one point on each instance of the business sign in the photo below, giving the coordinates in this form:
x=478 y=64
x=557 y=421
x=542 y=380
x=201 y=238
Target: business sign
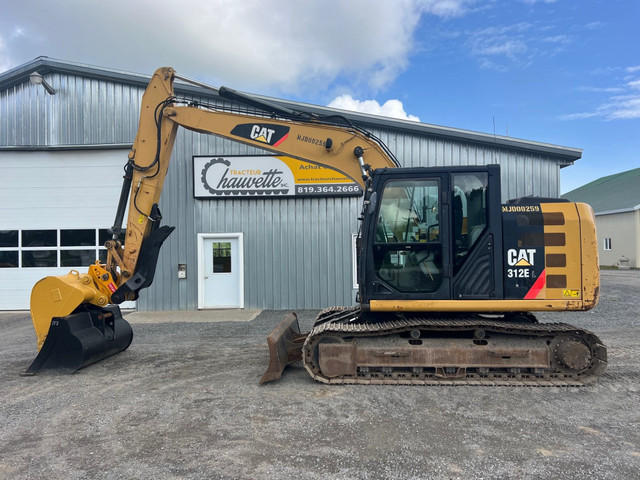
x=267 y=176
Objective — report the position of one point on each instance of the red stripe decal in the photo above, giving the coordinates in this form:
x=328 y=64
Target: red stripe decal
x=537 y=286
x=281 y=140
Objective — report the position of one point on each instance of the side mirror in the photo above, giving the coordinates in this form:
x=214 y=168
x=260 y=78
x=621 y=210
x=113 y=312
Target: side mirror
x=373 y=199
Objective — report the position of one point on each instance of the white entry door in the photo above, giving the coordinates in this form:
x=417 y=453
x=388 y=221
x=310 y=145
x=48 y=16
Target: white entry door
x=220 y=270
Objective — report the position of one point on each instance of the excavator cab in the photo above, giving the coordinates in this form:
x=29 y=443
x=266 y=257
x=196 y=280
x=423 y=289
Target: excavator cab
x=431 y=234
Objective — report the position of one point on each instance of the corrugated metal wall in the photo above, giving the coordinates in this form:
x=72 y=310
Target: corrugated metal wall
x=83 y=112
x=297 y=251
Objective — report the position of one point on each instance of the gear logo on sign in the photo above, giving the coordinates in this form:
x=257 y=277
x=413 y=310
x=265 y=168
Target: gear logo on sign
x=209 y=164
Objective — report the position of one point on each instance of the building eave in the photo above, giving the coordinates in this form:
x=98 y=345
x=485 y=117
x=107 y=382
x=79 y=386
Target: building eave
x=57 y=148
x=620 y=210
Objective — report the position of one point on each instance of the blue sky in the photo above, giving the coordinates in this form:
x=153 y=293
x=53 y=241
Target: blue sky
x=565 y=72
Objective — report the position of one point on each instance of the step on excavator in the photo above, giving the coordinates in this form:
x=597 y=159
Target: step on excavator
x=448 y=275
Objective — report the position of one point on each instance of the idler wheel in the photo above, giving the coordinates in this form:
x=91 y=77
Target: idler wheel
x=573 y=353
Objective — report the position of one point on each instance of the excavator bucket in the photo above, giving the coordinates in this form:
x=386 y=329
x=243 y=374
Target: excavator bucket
x=285 y=347
x=82 y=338
x=74 y=325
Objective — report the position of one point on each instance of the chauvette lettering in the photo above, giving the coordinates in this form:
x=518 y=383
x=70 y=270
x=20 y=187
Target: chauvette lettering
x=220 y=179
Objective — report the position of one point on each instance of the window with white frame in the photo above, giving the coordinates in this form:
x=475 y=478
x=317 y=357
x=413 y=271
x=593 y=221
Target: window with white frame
x=53 y=248
x=607 y=244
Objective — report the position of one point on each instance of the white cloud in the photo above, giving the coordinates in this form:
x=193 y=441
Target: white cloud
x=502 y=47
x=446 y=8
x=532 y=2
x=18 y=32
x=622 y=107
x=391 y=108
x=496 y=46
x=601 y=89
x=489 y=65
x=510 y=48
x=270 y=45
x=563 y=39
x=5 y=61
x=594 y=25
x=578 y=116
x=499 y=47
x=618 y=107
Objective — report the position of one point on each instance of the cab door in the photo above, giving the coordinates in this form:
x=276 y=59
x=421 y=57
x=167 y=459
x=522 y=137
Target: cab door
x=407 y=252
x=476 y=233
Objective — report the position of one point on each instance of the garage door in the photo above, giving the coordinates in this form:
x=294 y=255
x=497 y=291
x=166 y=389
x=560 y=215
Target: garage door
x=55 y=209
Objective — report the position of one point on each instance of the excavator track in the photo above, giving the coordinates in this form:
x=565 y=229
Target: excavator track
x=432 y=349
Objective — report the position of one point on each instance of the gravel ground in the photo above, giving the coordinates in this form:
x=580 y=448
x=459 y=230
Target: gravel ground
x=184 y=402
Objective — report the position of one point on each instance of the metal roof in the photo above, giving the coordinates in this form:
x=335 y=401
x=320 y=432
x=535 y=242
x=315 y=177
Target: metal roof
x=613 y=194
x=564 y=155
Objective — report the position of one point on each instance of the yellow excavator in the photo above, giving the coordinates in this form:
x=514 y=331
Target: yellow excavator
x=448 y=275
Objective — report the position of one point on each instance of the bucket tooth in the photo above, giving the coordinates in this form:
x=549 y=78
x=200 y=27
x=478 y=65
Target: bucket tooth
x=84 y=337
x=285 y=347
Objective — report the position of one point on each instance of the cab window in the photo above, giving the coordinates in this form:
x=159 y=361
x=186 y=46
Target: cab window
x=407 y=248
x=469 y=206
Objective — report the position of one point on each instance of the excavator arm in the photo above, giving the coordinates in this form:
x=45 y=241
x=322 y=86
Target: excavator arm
x=75 y=316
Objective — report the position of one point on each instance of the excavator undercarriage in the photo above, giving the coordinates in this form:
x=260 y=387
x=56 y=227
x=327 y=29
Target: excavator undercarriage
x=348 y=346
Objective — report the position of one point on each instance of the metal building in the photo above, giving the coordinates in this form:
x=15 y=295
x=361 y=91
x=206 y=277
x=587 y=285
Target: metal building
x=63 y=143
